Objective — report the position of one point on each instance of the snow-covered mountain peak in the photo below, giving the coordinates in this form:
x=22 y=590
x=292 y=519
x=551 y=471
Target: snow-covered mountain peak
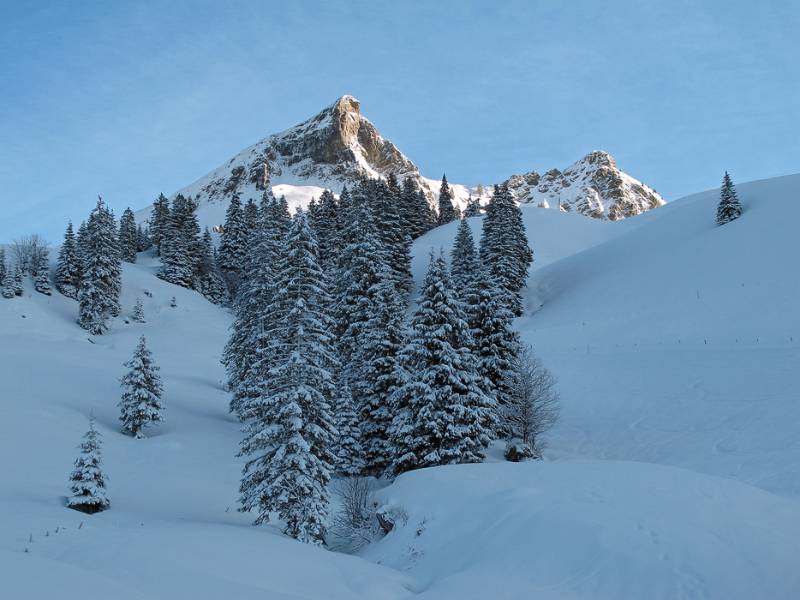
x=594 y=186
x=339 y=145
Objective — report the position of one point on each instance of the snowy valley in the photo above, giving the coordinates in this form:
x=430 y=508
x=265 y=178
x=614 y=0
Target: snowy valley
x=673 y=471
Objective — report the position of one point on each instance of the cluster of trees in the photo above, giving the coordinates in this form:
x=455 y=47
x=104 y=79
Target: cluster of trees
x=140 y=406
x=29 y=256
x=327 y=374
x=187 y=256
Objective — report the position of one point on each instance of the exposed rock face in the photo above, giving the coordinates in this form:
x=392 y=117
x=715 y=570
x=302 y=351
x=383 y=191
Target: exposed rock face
x=331 y=149
x=594 y=186
x=338 y=145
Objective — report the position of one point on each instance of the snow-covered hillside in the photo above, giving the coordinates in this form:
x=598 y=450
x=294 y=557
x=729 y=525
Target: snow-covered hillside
x=673 y=473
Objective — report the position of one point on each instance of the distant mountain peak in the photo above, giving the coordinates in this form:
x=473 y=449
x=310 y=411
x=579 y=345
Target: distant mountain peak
x=593 y=186
x=339 y=144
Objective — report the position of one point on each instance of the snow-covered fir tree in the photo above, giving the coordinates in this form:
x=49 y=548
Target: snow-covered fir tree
x=249 y=348
x=209 y=279
x=396 y=242
x=289 y=431
x=68 y=266
x=159 y=221
x=250 y=217
x=137 y=315
x=415 y=211
x=326 y=229
x=233 y=244
x=178 y=262
x=504 y=249
x=379 y=373
x=441 y=411
x=348 y=448
x=142 y=239
x=8 y=282
x=447 y=212
x=18 y=275
x=463 y=259
x=141 y=404
x=87 y=480
x=127 y=236
x=495 y=344
x=473 y=208
x=101 y=280
x=729 y=207
x=3 y=267
x=41 y=272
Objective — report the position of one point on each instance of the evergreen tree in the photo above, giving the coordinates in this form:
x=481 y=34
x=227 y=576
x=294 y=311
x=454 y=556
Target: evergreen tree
x=210 y=281
x=68 y=267
x=447 y=211
x=379 y=372
x=80 y=244
x=729 y=207
x=289 y=432
x=41 y=272
x=473 y=208
x=142 y=239
x=348 y=449
x=177 y=245
x=250 y=217
x=87 y=481
x=141 y=404
x=504 y=250
x=137 y=316
x=127 y=236
x=495 y=344
x=233 y=244
x=8 y=283
x=326 y=229
x=3 y=268
x=396 y=242
x=101 y=282
x=441 y=411
x=463 y=259
x=17 y=278
x=159 y=221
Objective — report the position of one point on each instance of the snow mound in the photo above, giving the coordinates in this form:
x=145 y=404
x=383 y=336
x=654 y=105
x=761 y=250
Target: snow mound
x=589 y=529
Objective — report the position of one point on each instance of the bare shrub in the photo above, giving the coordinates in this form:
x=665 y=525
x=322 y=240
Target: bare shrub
x=354 y=524
x=29 y=252
x=533 y=405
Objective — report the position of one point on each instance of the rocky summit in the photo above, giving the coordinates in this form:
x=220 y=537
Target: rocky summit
x=339 y=145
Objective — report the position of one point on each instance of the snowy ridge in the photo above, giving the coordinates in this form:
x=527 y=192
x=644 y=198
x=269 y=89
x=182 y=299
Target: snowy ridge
x=594 y=186
x=338 y=145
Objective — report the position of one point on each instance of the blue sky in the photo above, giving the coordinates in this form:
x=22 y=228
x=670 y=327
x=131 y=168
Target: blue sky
x=131 y=99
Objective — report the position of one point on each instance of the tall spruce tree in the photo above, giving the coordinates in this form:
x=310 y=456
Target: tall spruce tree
x=463 y=259
x=141 y=404
x=441 y=411
x=447 y=211
x=209 y=279
x=729 y=207
x=101 y=281
x=159 y=222
x=326 y=229
x=379 y=374
x=41 y=272
x=396 y=242
x=233 y=244
x=87 y=481
x=348 y=448
x=68 y=267
x=127 y=236
x=249 y=351
x=289 y=431
x=3 y=268
x=504 y=249
x=495 y=344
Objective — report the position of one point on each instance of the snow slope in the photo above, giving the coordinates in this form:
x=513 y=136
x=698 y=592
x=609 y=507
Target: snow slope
x=674 y=472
